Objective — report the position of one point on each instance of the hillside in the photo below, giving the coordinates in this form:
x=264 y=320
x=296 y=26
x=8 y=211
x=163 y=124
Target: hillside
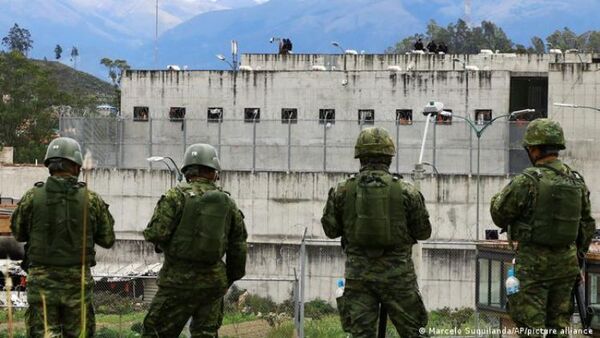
x=75 y=82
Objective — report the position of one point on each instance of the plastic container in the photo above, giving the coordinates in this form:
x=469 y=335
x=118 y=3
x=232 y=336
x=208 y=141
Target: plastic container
x=339 y=292
x=512 y=283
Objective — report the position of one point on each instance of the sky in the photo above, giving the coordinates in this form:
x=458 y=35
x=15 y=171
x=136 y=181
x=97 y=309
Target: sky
x=126 y=28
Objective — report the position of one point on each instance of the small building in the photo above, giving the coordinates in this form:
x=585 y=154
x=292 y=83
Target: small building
x=494 y=258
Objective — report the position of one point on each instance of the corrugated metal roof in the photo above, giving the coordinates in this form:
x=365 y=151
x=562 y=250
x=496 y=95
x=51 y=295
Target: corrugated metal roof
x=117 y=271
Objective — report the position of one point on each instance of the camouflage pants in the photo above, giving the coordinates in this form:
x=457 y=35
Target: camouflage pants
x=171 y=308
x=360 y=308
x=542 y=304
x=62 y=302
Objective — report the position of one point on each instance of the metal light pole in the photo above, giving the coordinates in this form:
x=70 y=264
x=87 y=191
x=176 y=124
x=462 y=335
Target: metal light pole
x=254 y=115
x=571 y=105
x=479 y=133
x=173 y=169
x=222 y=58
x=220 y=117
x=337 y=45
x=326 y=124
x=432 y=109
x=234 y=54
x=467 y=111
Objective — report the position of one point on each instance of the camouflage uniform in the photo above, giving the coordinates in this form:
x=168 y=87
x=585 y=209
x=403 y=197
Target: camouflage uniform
x=61 y=285
x=188 y=289
x=546 y=274
x=379 y=276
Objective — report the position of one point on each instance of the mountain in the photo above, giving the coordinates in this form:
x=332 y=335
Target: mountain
x=76 y=82
x=100 y=28
x=369 y=25
x=193 y=31
x=312 y=25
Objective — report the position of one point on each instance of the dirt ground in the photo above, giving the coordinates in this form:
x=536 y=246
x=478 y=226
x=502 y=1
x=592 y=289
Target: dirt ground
x=254 y=329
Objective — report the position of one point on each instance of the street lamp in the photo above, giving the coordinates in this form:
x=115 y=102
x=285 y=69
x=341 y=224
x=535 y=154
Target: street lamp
x=571 y=105
x=222 y=58
x=337 y=45
x=432 y=109
x=478 y=133
x=173 y=169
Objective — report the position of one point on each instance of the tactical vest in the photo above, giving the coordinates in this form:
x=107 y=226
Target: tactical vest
x=56 y=236
x=557 y=211
x=375 y=212
x=201 y=235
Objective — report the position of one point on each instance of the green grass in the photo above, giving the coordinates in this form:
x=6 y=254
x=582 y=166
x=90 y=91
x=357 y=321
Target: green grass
x=325 y=326
x=18 y=315
x=329 y=325
x=109 y=325
x=237 y=317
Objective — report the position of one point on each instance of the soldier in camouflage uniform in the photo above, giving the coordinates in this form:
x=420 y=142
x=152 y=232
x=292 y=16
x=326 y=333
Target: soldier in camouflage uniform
x=195 y=224
x=379 y=217
x=547 y=210
x=51 y=218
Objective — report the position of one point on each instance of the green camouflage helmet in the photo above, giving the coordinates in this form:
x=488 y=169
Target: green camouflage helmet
x=375 y=141
x=201 y=154
x=64 y=147
x=544 y=132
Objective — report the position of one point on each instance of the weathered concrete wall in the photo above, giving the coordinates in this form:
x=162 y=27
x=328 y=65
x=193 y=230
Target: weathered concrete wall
x=347 y=92
x=367 y=62
x=278 y=206
x=303 y=142
x=6 y=155
x=579 y=84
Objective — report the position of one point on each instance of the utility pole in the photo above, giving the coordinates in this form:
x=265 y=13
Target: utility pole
x=468 y=12
x=156 y=37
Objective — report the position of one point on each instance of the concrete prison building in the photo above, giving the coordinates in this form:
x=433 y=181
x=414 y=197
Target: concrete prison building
x=286 y=126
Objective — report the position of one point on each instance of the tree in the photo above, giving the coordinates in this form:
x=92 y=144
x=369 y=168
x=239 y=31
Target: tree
x=74 y=56
x=18 y=39
x=58 y=51
x=537 y=45
x=27 y=97
x=494 y=38
x=565 y=39
x=460 y=38
x=115 y=69
x=593 y=44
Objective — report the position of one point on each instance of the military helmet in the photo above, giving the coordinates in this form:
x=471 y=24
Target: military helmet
x=64 y=147
x=375 y=141
x=544 y=132
x=201 y=154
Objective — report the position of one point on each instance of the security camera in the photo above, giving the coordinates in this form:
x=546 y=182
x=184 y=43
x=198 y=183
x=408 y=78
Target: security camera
x=344 y=82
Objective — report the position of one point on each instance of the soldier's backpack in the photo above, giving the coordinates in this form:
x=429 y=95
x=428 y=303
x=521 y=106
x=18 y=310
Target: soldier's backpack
x=56 y=237
x=201 y=235
x=557 y=210
x=375 y=212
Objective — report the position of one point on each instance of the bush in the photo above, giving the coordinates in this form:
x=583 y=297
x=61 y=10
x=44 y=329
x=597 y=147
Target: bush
x=110 y=303
x=257 y=304
x=107 y=333
x=137 y=327
x=232 y=297
x=450 y=318
x=318 y=308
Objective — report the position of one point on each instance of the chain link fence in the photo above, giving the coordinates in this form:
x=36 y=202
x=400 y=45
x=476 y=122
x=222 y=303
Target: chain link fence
x=298 y=145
